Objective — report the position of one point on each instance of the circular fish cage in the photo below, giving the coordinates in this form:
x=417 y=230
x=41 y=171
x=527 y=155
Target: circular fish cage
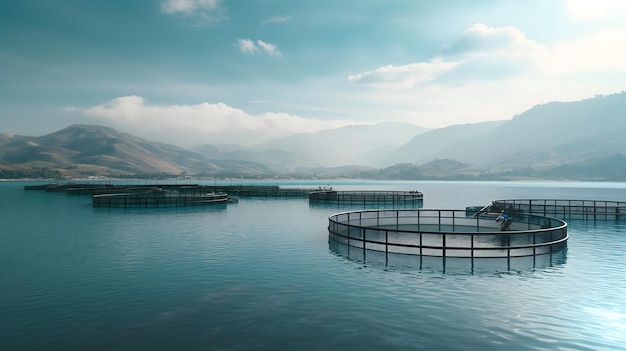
x=586 y=210
x=158 y=198
x=447 y=233
x=367 y=198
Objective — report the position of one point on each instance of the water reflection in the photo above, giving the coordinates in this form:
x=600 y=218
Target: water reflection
x=448 y=265
x=213 y=208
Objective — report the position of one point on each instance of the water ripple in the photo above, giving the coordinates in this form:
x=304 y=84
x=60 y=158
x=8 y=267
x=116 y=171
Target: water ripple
x=261 y=275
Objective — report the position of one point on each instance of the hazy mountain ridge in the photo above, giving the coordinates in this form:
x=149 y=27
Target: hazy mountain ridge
x=439 y=143
x=346 y=145
x=98 y=149
x=350 y=145
x=275 y=158
x=550 y=132
x=561 y=140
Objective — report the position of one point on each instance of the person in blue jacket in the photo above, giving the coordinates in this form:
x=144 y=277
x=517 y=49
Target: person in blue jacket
x=504 y=220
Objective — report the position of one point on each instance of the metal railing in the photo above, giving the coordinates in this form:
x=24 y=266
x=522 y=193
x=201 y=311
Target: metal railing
x=156 y=200
x=589 y=210
x=447 y=233
x=366 y=198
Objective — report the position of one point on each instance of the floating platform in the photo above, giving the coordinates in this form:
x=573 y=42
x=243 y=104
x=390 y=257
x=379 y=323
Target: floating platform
x=368 y=198
x=446 y=233
x=587 y=210
x=158 y=199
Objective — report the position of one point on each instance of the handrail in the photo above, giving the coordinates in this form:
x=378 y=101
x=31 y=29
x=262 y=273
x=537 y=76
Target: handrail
x=565 y=208
x=528 y=234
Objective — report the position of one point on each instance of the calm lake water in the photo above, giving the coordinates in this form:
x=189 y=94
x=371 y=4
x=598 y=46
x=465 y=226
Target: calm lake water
x=261 y=275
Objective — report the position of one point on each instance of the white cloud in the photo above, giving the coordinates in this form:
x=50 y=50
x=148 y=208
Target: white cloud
x=402 y=77
x=206 y=10
x=277 y=19
x=248 y=46
x=481 y=52
x=494 y=73
x=188 y=125
x=480 y=39
x=485 y=53
x=188 y=7
x=270 y=49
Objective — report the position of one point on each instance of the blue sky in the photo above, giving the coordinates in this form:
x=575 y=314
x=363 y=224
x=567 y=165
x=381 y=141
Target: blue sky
x=199 y=71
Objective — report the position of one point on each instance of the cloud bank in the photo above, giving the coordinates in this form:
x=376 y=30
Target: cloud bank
x=496 y=72
x=189 y=125
x=485 y=53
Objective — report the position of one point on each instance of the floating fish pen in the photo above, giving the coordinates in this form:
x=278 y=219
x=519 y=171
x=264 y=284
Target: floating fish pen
x=360 y=206
x=68 y=187
x=118 y=189
x=260 y=190
x=95 y=189
x=588 y=210
x=446 y=233
x=158 y=199
x=368 y=198
x=235 y=190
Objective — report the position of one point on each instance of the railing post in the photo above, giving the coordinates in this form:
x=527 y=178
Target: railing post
x=386 y=247
x=421 y=249
x=419 y=216
x=439 y=212
x=444 y=245
x=478 y=222
x=386 y=241
x=364 y=244
x=349 y=230
x=453 y=221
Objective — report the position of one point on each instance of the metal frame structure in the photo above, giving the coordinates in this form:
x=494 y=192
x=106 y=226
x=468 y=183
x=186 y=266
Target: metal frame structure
x=446 y=233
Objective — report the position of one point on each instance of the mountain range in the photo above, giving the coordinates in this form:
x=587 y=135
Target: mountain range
x=581 y=140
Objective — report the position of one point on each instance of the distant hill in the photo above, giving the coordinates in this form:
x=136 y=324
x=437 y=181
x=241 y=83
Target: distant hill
x=346 y=145
x=439 y=143
x=549 y=134
x=351 y=145
x=582 y=140
x=88 y=149
x=274 y=158
x=435 y=170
